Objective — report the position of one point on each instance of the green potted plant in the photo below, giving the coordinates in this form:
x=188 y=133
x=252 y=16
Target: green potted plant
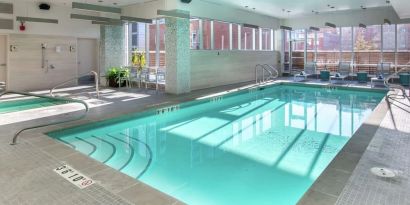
x=114 y=74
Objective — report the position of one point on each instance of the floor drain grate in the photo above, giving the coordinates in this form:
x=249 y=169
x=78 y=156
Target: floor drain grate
x=383 y=172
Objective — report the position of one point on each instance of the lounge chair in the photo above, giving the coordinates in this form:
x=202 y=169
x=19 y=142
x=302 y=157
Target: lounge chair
x=343 y=72
x=309 y=70
x=156 y=77
x=382 y=71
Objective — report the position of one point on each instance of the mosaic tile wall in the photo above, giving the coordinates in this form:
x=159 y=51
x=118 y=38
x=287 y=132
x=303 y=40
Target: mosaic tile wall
x=112 y=47
x=178 y=56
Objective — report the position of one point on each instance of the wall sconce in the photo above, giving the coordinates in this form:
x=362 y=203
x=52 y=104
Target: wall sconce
x=72 y=49
x=13 y=48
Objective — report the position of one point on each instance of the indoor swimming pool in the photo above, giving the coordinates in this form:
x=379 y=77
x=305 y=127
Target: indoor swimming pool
x=259 y=146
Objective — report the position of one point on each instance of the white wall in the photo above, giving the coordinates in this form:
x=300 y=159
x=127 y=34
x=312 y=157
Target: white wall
x=208 y=69
x=370 y=16
x=25 y=70
x=65 y=27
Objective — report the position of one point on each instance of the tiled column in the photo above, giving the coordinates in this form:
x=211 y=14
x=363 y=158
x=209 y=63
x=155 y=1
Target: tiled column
x=112 y=47
x=178 y=56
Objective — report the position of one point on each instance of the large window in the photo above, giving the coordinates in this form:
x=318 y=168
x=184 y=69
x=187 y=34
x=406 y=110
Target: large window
x=367 y=47
x=247 y=38
x=207 y=32
x=152 y=46
x=328 y=48
x=364 y=47
x=298 y=49
x=218 y=35
x=235 y=36
x=346 y=44
x=195 y=34
x=266 y=40
x=389 y=44
x=403 y=44
x=310 y=46
x=221 y=35
x=148 y=38
x=138 y=36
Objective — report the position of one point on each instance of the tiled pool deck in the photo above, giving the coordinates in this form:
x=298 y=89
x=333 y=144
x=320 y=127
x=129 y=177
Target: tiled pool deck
x=27 y=176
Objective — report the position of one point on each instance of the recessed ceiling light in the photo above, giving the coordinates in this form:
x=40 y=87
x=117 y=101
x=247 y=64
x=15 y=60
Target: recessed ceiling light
x=115 y=3
x=100 y=1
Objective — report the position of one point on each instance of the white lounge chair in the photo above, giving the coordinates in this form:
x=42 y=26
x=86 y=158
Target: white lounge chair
x=343 y=72
x=155 y=76
x=382 y=71
x=309 y=70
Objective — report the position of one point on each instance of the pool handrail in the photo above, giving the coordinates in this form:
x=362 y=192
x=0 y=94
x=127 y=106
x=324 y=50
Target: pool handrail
x=96 y=79
x=69 y=100
x=271 y=70
x=396 y=86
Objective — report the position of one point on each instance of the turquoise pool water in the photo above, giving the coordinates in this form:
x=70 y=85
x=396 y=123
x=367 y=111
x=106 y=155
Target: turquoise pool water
x=26 y=104
x=261 y=147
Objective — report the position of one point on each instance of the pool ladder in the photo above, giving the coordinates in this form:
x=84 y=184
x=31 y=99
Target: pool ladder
x=270 y=70
x=69 y=100
x=396 y=86
x=96 y=79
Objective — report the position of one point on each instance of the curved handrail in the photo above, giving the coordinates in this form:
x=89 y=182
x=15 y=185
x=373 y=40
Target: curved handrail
x=274 y=70
x=395 y=86
x=97 y=88
x=268 y=69
x=14 y=142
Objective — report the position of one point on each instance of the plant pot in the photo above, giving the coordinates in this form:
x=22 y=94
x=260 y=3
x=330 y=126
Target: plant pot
x=113 y=83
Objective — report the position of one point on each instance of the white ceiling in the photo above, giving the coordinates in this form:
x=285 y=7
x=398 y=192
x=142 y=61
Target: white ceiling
x=114 y=3
x=402 y=8
x=301 y=7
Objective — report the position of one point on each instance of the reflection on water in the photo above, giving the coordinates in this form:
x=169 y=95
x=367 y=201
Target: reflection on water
x=264 y=147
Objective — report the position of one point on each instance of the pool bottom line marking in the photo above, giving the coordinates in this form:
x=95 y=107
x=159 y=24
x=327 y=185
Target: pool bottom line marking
x=74 y=176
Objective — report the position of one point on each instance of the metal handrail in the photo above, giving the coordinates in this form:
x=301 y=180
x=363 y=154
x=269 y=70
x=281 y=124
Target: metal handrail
x=265 y=68
x=97 y=84
x=14 y=142
x=395 y=86
x=276 y=75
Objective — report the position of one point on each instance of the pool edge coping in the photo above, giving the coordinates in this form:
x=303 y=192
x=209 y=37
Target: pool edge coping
x=351 y=154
